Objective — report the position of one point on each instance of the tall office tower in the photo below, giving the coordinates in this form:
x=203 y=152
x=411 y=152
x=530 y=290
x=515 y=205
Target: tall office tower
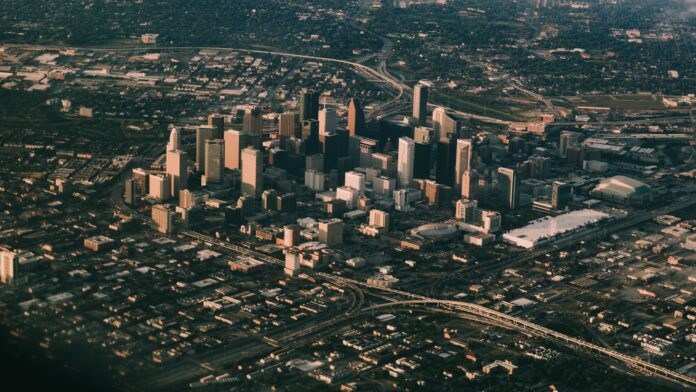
x=420 y=103
x=383 y=186
x=315 y=180
x=516 y=145
x=423 y=135
x=355 y=180
x=174 y=140
x=462 y=162
x=422 y=160
x=9 y=264
x=177 y=169
x=163 y=218
x=385 y=164
x=327 y=121
x=356 y=118
x=291 y=235
x=214 y=160
x=160 y=186
x=444 y=124
x=203 y=133
x=509 y=186
x=253 y=121
x=268 y=199
x=235 y=141
x=309 y=105
x=292 y=262
x=287 y=125
x=568 y=139
x=252 y=172
x=331 y=148
x=465 y=210
x=131 y=192
x=141 y=178
x=445 y=160
x=561 y=195
x=315 y=162
x=379 y=219
x=470 y=181
x=187 y=199
x=310 y=135
x=218 y=122
x=367 y=148
x=407 y=155
x=331 y=232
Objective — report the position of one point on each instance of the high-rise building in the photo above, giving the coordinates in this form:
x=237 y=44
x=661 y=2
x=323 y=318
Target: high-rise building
x=420 y=103
x=291 y=235
x=287 y=125
x=9 y=265
x=310 y=136
x=160 y=186
x=567 y=139
x=383 y=186
x=252 y=172
x=356 y=118
x=405 y=164
x=385 y=164
x=561 y=195
x=235 y=141
x=423 y=135
x=214 y=160
x=355 y=180
x=292 y=262
x=367 y=148
x=203 y=133
x=309 y=105
x=253 y=121
x=379 y=219
x=445 y=125
x=462 y=162
x=445 y=160
x=131 y=192
x=331 y=232
x=163 y=217
x=141 y=177
x=465 y=210
x=218 y=122
x=327 y=121
x=174 y=140
x=422 y=160
x=470 y=181
x=177 y=169
x=508 y=181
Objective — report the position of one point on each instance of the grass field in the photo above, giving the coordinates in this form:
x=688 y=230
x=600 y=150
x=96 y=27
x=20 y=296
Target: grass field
x=621 y=102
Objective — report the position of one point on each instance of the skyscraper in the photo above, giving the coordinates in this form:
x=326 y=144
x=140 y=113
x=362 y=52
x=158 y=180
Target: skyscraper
x=310 y=135
x=444 y=124
x=174 y=140
x=470 y=181
x=405 y=164
x=163 y=218
x=445 y=157
x=356 y=118
x=203 y=133
x=567 y=139
x=160 y=186
x=253 y=121
x=214 y=160
x=462 y=162
x=560 y=195
x=9 y=265
x=327 y=121
x=131 y=192
x=235 y=141
x=287 y=125
x=420 y=103
x=422 y=160
x=508 y=181
x=309 y=105
x=177 y=169
x=252 y=172
x=218 y=122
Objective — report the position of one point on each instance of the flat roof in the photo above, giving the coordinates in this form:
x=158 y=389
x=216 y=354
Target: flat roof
x=547 y=227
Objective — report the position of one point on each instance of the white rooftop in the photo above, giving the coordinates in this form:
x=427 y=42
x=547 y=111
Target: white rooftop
x=547 y=227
